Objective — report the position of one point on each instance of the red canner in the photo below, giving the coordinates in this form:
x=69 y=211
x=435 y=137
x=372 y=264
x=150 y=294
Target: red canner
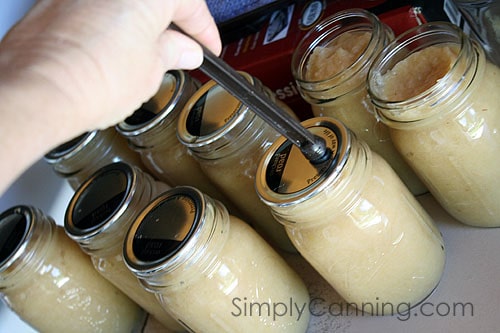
x=267 y=53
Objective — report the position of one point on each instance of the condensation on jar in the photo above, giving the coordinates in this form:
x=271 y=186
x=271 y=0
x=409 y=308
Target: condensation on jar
x=228 y=139
x=353 y=220
x=205 y=266
x=439 y=95
x=98 y=217
x=330 y=66
x=152 y=132
x=51 y=284
x=78 y=159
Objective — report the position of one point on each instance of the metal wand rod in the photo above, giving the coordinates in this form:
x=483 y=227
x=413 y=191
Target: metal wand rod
x=312 y=147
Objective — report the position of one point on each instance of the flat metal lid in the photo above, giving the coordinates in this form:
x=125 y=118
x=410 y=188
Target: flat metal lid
x=163 y=228
x=98 y=200
x=209 y=114
x=69 y=148
x=15 y=226
x=285 y=176
x=158 y=109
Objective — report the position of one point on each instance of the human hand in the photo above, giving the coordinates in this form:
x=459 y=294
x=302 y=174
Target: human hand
x=98 y=60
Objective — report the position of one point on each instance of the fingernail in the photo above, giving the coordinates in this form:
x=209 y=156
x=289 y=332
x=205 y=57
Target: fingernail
x=190 y=59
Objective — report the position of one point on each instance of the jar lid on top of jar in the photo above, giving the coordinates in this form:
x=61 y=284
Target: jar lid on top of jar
x=214 y=121
x=285 y=176
x=160 y=110
x=353 y=219
x=198 y=259
x=77 y=159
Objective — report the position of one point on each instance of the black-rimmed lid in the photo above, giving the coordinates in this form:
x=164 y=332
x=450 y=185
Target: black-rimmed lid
x=286 y=176
x=98 y=200
x=69 y=148
x=160 y=107
x=209 y=114
x=163 y=228
x=15 y=224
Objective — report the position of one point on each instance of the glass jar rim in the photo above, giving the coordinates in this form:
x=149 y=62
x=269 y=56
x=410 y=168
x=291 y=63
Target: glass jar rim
x=84 y=234
x=144 y=268
x=329 y=29
x=16 y=215
x=408 y=43
x=32 y=241
x=69 y=149
x=166 y=113
x=327 y=171
x=240 y=119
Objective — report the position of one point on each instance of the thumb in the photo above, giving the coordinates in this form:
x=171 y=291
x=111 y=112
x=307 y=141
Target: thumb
x=179 y=51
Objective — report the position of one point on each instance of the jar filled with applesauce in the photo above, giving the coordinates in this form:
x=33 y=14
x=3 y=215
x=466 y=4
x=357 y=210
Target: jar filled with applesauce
x=207 y=267
x=51 y=284
x=78 y=159
x=481 y=19
x=98 y=217
x=439 y=96
x=330 y=66
x=228 y=139
x=352 y=218
x=151 y=131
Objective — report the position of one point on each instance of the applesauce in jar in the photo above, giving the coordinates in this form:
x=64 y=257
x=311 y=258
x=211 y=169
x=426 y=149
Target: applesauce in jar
x=152 y=132
x=207 y=266
x=228 y=139
x=77 y=159
x=98 y=217
x=438 y=94
x=330 y=66
x=51 y=284
x=353 y=219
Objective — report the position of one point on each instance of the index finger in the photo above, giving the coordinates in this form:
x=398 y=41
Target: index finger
x=194 y=18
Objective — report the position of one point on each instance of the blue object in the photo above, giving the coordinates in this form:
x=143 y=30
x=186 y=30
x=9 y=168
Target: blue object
x=224 y=10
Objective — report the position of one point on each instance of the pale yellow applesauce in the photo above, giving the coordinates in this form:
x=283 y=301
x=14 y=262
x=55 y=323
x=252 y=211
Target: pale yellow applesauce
x=114 y=270
x=333 y=59
x=237 y=177
x=417 y=73
x=75 y=297
x=346 y=98
x=453 y=146
x=172 y=163
x=380 y=249
x=245 y=274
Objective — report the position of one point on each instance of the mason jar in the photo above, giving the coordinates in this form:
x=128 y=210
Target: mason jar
x=439 y=96
x=353 y=220
x=51 y=284
x=151 y=131
x=98 y=217
x=207 y=267
x=330 y=66
x=479 y=18
x=77 y=159
x=228 y=139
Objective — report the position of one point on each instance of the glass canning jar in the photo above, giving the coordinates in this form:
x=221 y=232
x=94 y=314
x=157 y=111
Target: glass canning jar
x=330 y=66
x=228 y=139
x=152 y=132
x=79 y=158
x=353 y=220
x=51 y=284
x=98 y=217
x=481 y=20
x=439 y=96
x=207 y=266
